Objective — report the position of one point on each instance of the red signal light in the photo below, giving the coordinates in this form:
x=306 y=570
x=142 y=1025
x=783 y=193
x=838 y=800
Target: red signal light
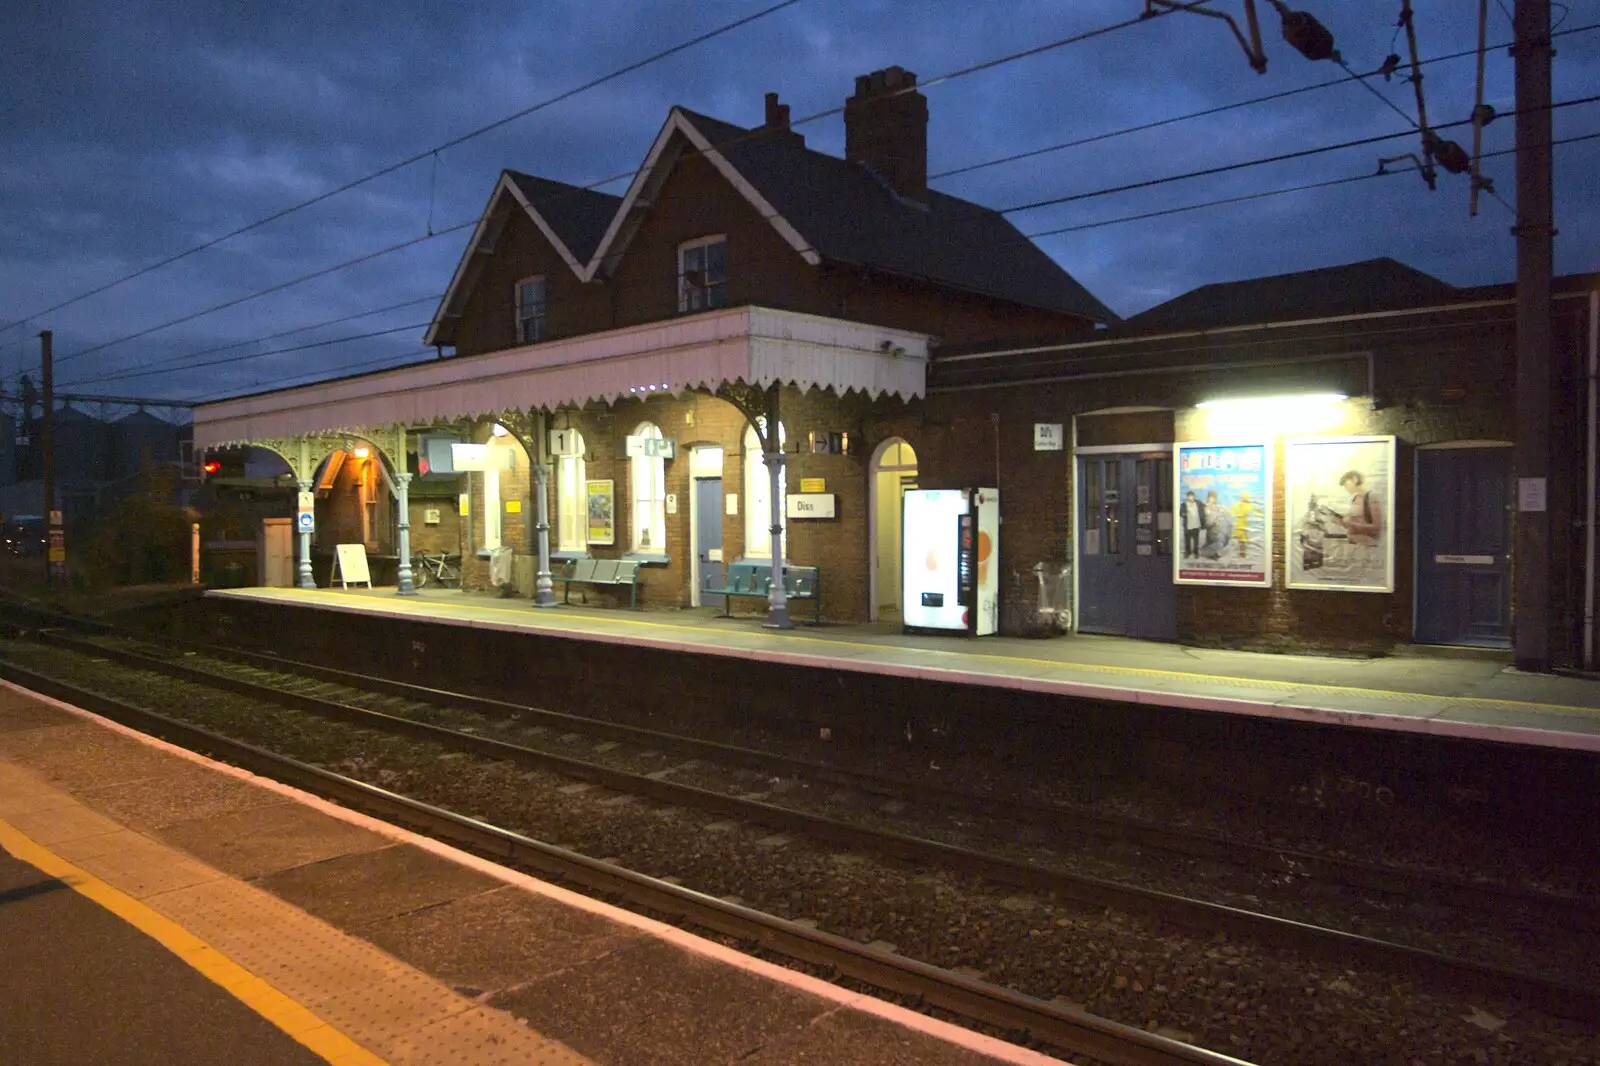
x=212 y=466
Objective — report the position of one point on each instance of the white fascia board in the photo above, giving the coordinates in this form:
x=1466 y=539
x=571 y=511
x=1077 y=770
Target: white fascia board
x=646 y=170
x=678 y=122
x=479 y=232
x=544 y=227
x=504 y=187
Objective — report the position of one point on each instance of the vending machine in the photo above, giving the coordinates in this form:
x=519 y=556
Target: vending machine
x=950 y=570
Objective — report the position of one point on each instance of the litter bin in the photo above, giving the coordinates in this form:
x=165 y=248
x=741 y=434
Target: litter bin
x=500 y=567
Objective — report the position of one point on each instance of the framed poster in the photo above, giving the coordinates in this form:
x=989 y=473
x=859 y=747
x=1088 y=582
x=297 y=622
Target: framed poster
x=1339 y=493
x=602 y=512
x=1223 y=500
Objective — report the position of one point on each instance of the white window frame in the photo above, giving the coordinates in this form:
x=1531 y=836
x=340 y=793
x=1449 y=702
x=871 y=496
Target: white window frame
x=572 y=501
x=647 y=493
x=541 y=321
x=699 y=298
x=757 y=497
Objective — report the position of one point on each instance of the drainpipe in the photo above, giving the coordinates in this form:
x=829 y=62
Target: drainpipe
x=402 y=496
x=1589 y=493
x=778 y=597
x=303 y=577
x=544 y=589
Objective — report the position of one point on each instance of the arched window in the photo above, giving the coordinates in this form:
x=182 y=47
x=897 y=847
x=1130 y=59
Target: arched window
x=648 y=475
x=572 y=516
x=758 y=498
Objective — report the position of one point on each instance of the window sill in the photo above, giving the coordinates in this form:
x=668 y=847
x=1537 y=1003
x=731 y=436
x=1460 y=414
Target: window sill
x=568 y=555
x=647 y=558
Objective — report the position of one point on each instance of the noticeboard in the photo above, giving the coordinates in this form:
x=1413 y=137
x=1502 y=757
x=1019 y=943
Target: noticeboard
x=350 y=565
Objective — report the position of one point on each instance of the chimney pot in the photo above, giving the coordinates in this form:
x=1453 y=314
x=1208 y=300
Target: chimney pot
x=777 y=114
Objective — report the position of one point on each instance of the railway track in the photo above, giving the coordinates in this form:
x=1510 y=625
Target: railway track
x=1552 y=995
x=1073 y=1031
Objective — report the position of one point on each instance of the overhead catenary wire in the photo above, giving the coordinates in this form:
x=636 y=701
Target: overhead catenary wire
x=175 y=363
x=1264 y=194
x=550 y=101
x=974 y=68
x=979 y=213
x=1259 y=195
x=984 y=65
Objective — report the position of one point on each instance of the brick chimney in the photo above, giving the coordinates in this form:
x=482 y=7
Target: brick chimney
x=886 y=128
x=778 y=121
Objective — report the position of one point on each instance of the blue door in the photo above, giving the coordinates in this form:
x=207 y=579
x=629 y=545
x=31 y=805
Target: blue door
x=1463 y=546
x=1125 y=545
x=708 y=530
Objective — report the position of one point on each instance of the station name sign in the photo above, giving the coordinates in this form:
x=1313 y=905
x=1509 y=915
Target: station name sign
x=812 y=505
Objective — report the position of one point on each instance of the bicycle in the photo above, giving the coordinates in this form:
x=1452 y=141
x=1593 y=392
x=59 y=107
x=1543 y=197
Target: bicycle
x=443 y=568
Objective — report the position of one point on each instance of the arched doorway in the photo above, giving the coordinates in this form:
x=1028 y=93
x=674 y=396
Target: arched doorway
x=893 y=471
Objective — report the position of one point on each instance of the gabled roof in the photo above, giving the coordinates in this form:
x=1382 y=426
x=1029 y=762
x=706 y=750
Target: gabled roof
x=578 y=216
x=829 y=208
x=571 y=218
x=1354 y=288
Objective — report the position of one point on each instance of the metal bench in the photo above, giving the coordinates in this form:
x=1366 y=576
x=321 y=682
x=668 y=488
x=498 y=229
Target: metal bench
x=607 y=573
x=753 y=580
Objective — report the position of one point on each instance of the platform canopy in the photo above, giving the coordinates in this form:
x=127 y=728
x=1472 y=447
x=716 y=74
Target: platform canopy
x=754 y=345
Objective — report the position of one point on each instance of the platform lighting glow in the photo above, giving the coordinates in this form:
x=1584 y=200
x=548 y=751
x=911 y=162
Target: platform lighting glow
x=361 y=451
x=500 y=431
x=1308 y=412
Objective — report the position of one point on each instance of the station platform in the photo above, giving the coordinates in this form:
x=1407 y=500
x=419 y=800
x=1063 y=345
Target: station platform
x=1469 y=696
x=157 y=907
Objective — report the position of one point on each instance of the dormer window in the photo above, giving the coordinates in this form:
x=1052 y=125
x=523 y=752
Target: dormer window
x=530 y=310
x=703 y=274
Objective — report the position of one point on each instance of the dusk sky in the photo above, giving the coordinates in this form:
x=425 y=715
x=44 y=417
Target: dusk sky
x=133 y=131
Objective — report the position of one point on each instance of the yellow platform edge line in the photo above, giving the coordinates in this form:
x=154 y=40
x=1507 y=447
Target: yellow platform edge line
x=295 y=1020
x=1568 y=709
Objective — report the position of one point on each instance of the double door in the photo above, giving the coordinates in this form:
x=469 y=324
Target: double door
x=1124 y=547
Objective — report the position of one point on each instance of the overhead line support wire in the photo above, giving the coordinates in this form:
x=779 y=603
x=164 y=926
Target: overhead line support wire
x=962 y=72
x=453 y=142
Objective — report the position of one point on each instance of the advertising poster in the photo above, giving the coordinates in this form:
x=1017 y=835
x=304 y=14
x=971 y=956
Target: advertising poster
x=1339 y=492
x=602 y=512
x=1224 y=505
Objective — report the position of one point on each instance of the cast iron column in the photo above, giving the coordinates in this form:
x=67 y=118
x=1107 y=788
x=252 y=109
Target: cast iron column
x=544 y=589
x=402 y=495
x=304 y=578
x=778 y=597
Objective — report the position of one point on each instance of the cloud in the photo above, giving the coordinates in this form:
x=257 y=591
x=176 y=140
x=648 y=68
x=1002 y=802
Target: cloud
x=134 y=131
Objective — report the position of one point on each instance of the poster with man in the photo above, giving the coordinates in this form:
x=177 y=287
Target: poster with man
x=1224 y=514
x=1340 y=500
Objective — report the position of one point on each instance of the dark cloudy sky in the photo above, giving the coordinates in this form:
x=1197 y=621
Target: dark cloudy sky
x=132 y=131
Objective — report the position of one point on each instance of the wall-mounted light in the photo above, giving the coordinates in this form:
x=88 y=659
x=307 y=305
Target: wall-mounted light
x=1306 y=412
x=500 y=431
x=361 y=451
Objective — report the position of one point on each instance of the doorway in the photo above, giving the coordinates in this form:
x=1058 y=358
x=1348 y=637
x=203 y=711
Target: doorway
x=894 y=471
x=705 y=521
x=1124 y=546
x=1463 y=546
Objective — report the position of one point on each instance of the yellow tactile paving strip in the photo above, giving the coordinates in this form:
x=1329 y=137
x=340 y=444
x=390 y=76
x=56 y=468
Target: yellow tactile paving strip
x=966 y=665
x=337 y=995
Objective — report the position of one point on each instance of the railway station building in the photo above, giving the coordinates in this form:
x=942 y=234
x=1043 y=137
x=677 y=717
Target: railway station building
x=701 y=372
x=757 y=348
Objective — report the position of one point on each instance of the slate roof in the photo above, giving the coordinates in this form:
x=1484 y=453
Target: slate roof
x=1371 y=285
x=579 y=216
x=850 y=216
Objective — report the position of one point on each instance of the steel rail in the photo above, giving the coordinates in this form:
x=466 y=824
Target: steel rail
x=1077 y=1032
x=1579 y=912
x=1160 y=907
